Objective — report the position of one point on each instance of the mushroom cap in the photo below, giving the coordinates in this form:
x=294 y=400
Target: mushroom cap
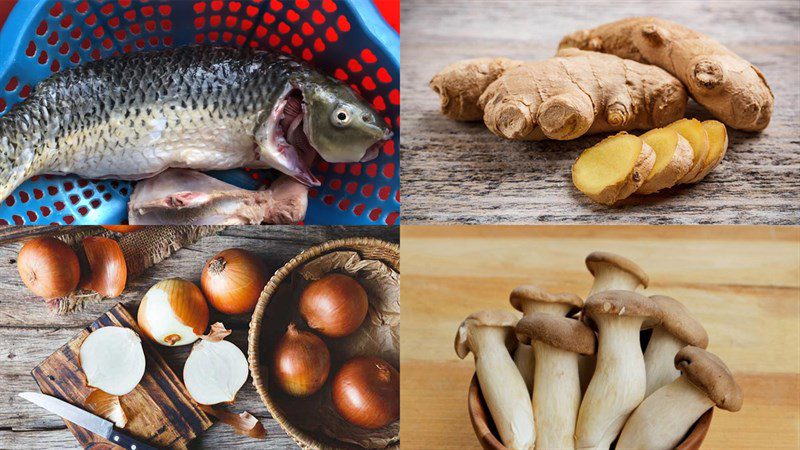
x=486 y=318
x=706 y=371
x=621 y=303
x=556 y=331
x=678 y=321
x=596 y=259
x=534 y=293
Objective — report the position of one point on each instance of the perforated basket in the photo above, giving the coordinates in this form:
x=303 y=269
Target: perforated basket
x=345 y=38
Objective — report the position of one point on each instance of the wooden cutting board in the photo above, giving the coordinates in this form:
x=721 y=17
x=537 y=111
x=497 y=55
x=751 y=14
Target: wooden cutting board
x=160 y=410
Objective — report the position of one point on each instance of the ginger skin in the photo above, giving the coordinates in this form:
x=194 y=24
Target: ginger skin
x=561 y=98
x=731 y=88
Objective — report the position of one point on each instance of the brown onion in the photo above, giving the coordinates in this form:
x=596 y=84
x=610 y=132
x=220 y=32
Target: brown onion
x=366 y=392
x=48 y=267
x=335 y=305
x=233 y=280
x=173 y=312
x=301 y=362
x=108 y=271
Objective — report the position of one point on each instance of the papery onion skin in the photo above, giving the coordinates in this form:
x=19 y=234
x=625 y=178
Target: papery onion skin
x=301 y=362
x=366 y=392
x=108 y=271
x=233 y=280
x=335 y=305
x=48 y=267
x=185 y=302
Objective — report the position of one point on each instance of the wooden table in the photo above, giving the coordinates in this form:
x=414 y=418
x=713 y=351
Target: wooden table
x=460 y=172
x=29 y=333
x=742 y=283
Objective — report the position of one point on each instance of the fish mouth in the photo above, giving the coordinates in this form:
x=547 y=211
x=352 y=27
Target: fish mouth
x=375 y=149
x=295 y=154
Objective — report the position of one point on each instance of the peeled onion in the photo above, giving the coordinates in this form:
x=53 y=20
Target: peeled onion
x=233 y=280
x=48 y=267
x=301 y=362
x=215 y=370
x=112 y=359
x=173 y=312
x=335 y=305
x=108 y=271
x=366 y=392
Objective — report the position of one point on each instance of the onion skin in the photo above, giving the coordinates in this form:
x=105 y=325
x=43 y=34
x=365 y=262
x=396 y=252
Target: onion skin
x=233 y=280
x=186 y=302
x=301 y=362
x=108 y=271
x=48 y=267
x=366 y=392
x=335 y=305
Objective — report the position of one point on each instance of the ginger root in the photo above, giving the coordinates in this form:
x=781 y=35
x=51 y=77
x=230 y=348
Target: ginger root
x=674 y=159
x=717 y=146
x=613 y=169
x=562 y=98
x=731 y=88
x=693 y=131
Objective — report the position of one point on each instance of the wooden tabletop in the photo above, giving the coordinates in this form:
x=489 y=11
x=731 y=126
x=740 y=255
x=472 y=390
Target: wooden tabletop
x=460 y=172
x=29 y=333
x=741 y=283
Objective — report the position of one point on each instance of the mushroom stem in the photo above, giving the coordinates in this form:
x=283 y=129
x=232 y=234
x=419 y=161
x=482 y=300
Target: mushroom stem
x=618 y=384
x=612 y=278
x=556 y=396
x=658 y=359
x=663 y=418
x=523 y=358
x=503 y=387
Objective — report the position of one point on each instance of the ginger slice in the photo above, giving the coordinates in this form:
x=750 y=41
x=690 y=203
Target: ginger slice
x=674 y=159
x=614 y=168
x=693 y=131
x=717 y=146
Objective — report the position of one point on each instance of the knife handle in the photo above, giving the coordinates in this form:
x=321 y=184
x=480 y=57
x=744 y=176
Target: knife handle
x=127 y=442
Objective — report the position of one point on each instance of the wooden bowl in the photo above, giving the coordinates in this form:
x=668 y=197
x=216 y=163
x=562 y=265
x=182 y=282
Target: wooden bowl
x=487 y=433
x=367 y=248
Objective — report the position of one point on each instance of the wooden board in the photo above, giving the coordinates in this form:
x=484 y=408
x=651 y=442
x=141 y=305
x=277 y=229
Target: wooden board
x=461 y=173
x=741 y=283
x=160 y=410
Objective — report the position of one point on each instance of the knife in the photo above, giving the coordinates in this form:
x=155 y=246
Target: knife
x=87 y=420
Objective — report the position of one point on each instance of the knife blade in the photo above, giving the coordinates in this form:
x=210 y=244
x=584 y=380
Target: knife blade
x=84 y=419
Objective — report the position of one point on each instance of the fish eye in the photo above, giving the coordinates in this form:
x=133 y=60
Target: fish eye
x=341 y=117
x=366 y=118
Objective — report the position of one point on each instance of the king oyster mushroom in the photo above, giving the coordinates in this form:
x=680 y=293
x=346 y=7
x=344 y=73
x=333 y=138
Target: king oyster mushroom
x=532 y=299
x=664 y=418
x=613 y=272
x=556 y=343
x=489 y=335
x=677 y=329
x=618 y=384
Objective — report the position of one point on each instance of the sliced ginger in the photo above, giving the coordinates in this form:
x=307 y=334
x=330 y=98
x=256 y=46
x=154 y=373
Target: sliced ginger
x=693 y=131
x=717 y=146
x=674 y=159
x=614 y=168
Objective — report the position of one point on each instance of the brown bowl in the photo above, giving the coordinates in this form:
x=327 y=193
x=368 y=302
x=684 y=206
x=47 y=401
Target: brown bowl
x=487 y=433
x=367 y=248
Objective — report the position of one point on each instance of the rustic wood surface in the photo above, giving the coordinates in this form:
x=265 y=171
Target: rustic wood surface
x=460 y=172
x=741 y=283
x=29 y=332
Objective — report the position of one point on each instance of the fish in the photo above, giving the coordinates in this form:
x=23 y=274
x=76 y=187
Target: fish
x=190 y=197
x=134 y=116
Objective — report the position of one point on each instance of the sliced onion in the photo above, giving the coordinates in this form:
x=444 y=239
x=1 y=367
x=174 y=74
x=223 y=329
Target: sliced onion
x=112 y=359
x=215 y=371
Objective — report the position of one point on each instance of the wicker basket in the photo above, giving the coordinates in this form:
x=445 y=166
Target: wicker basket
x=367 y=248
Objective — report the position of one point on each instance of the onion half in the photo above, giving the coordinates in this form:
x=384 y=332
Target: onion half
x=112 y=359
x=215 y=370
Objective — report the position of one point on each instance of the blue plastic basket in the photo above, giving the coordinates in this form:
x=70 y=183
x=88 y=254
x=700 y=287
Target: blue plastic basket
x=345 y=38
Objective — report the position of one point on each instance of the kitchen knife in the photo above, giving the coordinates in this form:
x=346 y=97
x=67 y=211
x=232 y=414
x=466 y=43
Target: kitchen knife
x=87 y=420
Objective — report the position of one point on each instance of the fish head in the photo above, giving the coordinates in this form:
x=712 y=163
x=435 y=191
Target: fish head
x=341 y=126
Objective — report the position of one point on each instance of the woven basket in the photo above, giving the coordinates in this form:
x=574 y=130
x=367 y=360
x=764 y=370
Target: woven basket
x=367 y=248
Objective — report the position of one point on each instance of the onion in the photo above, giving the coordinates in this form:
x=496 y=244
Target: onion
x=301 y=362
x=122 y=228
x=112 y=359
x=335 y=305
x=215 y=370
x=366 y=392
x=48 y=267
x=233 y=280
x=107 y=406
x=173 y=312
x=108 y=271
